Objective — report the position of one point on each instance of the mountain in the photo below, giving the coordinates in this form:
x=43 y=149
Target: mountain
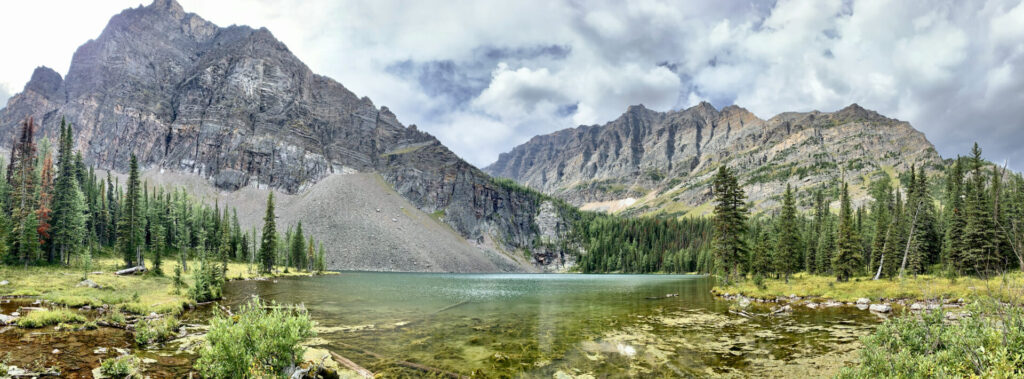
x=235 y=107
x=648 y=162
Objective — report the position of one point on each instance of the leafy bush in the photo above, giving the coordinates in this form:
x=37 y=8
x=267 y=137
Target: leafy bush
x=155 y=331
x=257 y=342
x=39 y=319
x=208 y=283
x=125 y=366
x=989 y=343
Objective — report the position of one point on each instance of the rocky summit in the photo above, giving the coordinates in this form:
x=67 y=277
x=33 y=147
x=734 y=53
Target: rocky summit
x=234 y=106
x=648 y=162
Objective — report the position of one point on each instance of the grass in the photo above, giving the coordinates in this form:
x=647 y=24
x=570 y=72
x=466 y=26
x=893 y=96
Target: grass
x=125 y=366
x=137 y=294
x=922 y=287
x=39 y=319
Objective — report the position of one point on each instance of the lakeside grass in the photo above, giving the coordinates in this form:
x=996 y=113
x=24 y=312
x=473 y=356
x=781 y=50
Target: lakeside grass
x=1005 y=287
x=137 y=294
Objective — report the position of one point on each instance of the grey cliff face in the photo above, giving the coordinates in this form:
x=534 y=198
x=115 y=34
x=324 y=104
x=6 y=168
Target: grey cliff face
x=664 y=160
x=235 y=106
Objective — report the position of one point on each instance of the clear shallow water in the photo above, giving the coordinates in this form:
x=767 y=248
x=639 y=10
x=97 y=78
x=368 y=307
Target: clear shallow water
x=537 y=325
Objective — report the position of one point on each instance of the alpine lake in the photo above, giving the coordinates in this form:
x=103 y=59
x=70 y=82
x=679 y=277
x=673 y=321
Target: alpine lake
x=561 y=325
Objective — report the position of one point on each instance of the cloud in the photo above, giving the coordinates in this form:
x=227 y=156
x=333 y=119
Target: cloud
x=485 y=76
x=5 y=93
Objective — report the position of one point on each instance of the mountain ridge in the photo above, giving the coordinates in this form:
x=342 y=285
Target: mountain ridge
x=234 y=106
x=650 y=162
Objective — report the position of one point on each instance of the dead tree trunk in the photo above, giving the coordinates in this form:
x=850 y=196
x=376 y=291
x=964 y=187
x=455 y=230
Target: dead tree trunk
x=910 y=238
x=885 y=245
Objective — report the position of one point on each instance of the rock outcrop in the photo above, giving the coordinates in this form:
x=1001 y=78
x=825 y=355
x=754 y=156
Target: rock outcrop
x=647 y=161
x=235 y=106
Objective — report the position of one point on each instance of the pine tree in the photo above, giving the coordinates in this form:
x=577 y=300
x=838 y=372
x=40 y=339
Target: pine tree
x=955 y=219
x=65 y=213
x=298 y=248
x=979 y=236
x=730 y=222
x=761 y=260
x=847 y=257
x=881 y=212
x=268 y=247
x=321 y=265
x=23 y=240
x=786 y=250
x=131 y=222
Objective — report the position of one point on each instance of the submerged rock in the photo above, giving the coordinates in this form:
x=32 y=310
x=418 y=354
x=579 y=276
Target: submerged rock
x=7 y=320
x=880 y=308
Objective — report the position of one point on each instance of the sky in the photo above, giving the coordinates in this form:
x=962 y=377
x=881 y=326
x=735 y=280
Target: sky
x=485 y=76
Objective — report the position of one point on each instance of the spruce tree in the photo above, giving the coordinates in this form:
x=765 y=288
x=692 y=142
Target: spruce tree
x=298 y=248
x=730 y=222
x=847 y=256
x=955 y=220
x=979 y=235
x=23 y=240
x=131 y=220
x=268 y=246
x=788 y=241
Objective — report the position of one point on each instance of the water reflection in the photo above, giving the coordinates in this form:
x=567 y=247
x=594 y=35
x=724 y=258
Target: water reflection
x=563 y=325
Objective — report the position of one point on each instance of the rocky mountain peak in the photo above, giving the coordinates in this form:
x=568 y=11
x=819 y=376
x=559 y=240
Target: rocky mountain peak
x=169 y=7
x=234 y=106
x=664 y=160
x=47 y=83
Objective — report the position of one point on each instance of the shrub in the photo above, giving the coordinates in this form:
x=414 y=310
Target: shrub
x=39 y=319
x=207 y=283
x=125 y=366
x=115 y=317
x=989 y=343
x=155 y=331
x=257 y=342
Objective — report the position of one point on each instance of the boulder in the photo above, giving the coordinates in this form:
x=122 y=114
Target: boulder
x=744 y=302
x=864 y=300
x=4 y=282
x=880 y=308
x=811 y=305
x=7 y=320
x=917 y=307
x=88 y=283
x=831 y=304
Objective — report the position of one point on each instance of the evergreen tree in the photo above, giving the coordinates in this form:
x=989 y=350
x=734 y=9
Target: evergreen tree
x=131 y=222
x=979 y=234
x=786 y=250
x=321 y=265
x=846 y=260
x=23 y=239
x=761 y=260
x=298 y=248
x=730 y=222
x=268 y=247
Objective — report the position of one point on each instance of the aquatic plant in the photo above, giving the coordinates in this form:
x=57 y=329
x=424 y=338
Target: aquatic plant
x=39 y=319
x=259 y=341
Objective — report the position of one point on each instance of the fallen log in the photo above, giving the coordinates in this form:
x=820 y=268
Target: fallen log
x=414 y=366
x=351 y=365
x=456 y=305
x=131 y=270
